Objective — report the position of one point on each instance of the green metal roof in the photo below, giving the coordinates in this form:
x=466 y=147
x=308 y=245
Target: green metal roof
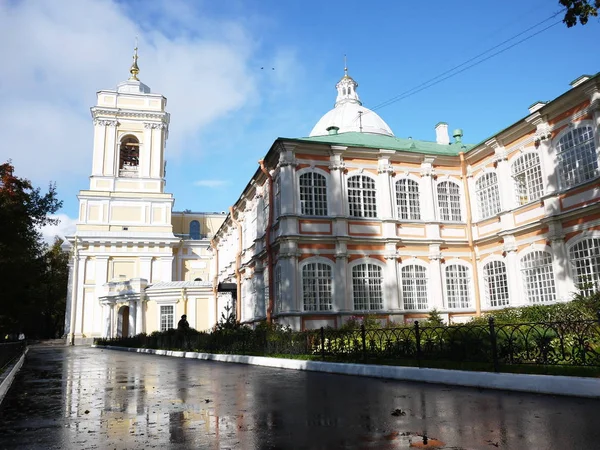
x=381 y=141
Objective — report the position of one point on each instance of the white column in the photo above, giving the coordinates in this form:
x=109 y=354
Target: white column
x=139 y=322
x=287 y=182
x=105 y=320
x=512 y=271
x=505 y=185
x=337 y=192
x=341 y=295
x=99 y=140
x=112 y=321
x=426 y=195
x=384 y=188
x=146 y=268
x=287 y=282
x=146 y=150
x=435 y=290
x=166 y=263
x=78 y=329
x=390 y=278
x=132 y=318
x=111 y=166
x=563 y=280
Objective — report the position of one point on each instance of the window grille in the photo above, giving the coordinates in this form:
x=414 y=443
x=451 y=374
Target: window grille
x=166 y=317
x=316 y=286
x=577 y=157
x=362 y=196
x=366 y=283
x=407 y=199
x=496 y=284
x=194 y=230
x=538 y=277
x=449 y=201
x=585 y=261
x=488 y=196
x=458 y=286
x=414 y=287
x=313 y=194
x=527 y=177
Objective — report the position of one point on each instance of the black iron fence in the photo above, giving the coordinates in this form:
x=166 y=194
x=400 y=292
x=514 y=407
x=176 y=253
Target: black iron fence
x=9 y=351
x=571 y=343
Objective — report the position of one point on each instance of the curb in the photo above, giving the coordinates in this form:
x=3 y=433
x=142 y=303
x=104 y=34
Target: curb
x=538 y=384
x=12 y=373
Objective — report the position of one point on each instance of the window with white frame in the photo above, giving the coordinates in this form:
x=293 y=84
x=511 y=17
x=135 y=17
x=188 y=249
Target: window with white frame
x=458 y=286
x=495 y=284
x=585 y=262
x=538 y=277
x=166 y=317
x=488 y=196
x=448 y=194
x=277 y=198
x=266 y=295
x=362 y=196
x=407 y=199
x=313 y=194
x=414 y=287
x=277 y=289
x=527 y=177
x=367 y=280
x=317 y=282
x=265 y=198
x=577 y=157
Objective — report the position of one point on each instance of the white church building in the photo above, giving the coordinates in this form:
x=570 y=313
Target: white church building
x=348 y=221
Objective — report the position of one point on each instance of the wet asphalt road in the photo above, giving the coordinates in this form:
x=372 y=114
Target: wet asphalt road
x=84 y=398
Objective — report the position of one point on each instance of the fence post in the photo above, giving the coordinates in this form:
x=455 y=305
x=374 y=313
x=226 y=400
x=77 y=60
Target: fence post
x=494 y=346
x=418 y=342
x=323 y=343
x=364 y=342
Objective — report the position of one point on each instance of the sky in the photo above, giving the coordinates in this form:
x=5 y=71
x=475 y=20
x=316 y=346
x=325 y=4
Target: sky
x=240 y=73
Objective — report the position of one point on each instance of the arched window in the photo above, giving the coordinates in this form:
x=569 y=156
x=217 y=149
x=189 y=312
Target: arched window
x=538 y=277
x=496 y=284
x=197 y=279
x=449 y=201
x=317 y=282
x=129 y=155
x=458 y=286
x=194 y=230
x=362 y=196
x=527 y=176
x=414 y=287
x=313 y=194
x=585 y=261
x=367 y=280
x=488 y=196
x=577 y=156
x=407 y=199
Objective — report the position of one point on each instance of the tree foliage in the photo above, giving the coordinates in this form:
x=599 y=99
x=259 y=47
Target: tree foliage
x=579 y=11
x=24 y=264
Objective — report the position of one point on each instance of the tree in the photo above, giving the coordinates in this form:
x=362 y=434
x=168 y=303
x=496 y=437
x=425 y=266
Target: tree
x=579 y=11
x=23 y=211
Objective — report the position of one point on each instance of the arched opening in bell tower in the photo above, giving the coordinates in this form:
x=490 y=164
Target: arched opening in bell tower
x=129 y=156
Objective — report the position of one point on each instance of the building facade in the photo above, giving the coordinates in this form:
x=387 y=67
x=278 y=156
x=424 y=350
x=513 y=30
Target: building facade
x=353 y=220
x=136 y=265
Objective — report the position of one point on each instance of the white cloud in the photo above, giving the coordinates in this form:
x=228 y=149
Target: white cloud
x=211 y=183
x=65 y=227
x=54 y=59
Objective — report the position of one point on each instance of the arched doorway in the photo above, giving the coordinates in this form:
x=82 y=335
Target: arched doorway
x=123 y=322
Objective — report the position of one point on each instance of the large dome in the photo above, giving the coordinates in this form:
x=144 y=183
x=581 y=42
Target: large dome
x=349 y=114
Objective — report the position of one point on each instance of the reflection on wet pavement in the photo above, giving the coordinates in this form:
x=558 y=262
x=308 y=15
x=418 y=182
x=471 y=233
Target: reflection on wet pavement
x=83 y=398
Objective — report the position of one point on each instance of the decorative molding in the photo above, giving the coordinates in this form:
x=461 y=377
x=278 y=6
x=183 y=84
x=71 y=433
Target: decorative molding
x=435 y=255
x=106 y=122
x=510 y=247
x=335 y=165
x=98 y=113
x=427 y=171
x=385 y=168
x=155 y=125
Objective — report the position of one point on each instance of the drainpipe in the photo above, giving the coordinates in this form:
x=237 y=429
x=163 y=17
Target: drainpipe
x=238 y=262
x=268 y=240
x=463 y=167
x=74 y=290
x=215 y=289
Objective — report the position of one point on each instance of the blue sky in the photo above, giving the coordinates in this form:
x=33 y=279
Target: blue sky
x=206 y=58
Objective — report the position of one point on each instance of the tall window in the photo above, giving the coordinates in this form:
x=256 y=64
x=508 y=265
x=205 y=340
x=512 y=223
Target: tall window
x=496 y=284
x=407 y=199
x=585 y=261
x=266 y=290
x=449 y=201
x=362 y=196
x=277 y=289
x=366 y=283
x=166 y=317
x=488 y=197
x=538 y=277
x=316 y=286
x=313 y=194
x=194 y=230
x=129 y=156
x=458 y=285
x=577 y=157
x=527 y=177
x=277 y=198
x=414 y=287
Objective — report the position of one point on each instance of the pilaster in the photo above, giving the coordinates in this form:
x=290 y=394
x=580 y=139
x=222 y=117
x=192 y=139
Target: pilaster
x=512 y=271
x=287 y=180
x=338 y=199
x=384 y=188
x=435 y=289
x=427 y=197
x=341 y=295
x=391 y=296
